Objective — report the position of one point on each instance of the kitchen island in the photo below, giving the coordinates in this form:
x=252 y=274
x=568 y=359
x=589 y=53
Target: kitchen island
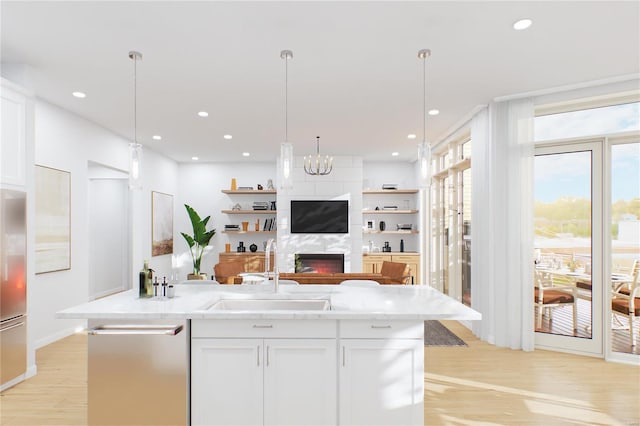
x=309 y=354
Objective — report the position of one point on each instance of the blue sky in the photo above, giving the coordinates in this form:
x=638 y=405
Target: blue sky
x=567 y=174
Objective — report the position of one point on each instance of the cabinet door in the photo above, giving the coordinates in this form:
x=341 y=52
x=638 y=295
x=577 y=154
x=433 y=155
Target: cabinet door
x=226 y=381
x=373 y=263
x=381 y=382
x=300 y=382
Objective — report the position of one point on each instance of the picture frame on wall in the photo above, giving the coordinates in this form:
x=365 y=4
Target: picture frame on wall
x=161 y=223
x=52 y=219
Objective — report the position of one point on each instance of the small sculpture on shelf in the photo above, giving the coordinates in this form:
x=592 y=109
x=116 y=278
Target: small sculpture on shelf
x=270 y=184
x=260 y=188
x=236 y=207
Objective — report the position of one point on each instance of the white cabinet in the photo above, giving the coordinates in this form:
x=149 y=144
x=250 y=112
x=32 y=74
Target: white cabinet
x=382 y=379
x=13 y=136
x=266 y=376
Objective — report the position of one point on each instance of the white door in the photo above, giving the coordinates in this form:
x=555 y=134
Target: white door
x=381 y=382
x=226 y=382
x=300 y=382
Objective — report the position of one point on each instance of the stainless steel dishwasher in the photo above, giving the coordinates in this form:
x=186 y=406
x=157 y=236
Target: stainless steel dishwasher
x=138 y=372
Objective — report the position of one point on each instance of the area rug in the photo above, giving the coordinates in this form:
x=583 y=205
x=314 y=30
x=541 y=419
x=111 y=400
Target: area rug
x=436 y=334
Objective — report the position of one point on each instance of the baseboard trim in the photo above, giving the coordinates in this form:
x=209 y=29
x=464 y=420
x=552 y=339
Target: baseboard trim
x=55 y=337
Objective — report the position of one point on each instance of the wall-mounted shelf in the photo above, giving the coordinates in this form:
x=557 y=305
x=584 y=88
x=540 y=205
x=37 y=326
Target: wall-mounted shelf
x=366 y=231
x=248 y=232
x=249 y=191
x=389 y=211
x=249 y=211
x=391 y=191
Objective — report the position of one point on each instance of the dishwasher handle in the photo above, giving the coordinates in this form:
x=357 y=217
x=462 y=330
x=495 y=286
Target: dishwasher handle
x=135 y=329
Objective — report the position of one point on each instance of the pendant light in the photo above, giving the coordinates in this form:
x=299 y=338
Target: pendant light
x=135 y=149
x=286 y=149
x=317 y=165
x=424 y=149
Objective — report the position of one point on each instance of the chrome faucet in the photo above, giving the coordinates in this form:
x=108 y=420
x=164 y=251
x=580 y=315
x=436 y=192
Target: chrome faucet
x=271 y=245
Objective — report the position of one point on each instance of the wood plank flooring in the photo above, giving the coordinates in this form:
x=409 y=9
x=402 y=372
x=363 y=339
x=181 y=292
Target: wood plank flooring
x=475 y=385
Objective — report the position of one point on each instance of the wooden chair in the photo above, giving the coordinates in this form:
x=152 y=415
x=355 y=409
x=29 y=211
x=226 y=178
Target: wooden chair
x=397 y=271
x=625 y=300
x=228 y=272
x=546 y=296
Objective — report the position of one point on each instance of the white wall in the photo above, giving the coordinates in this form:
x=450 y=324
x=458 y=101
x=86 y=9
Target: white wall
x=68 y=142
x=200 y=187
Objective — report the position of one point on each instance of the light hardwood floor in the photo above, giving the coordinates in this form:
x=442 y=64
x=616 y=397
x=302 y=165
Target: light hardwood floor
x=476 y=385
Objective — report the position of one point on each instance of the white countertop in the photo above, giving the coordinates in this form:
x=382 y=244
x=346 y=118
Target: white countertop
x=193 y=300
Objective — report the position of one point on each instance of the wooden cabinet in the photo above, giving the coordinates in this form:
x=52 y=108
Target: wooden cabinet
x=265 y=375
x=381 y=378
x=372 y=263
x=253 y=262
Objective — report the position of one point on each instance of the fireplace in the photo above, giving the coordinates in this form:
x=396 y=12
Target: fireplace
x=322 y=263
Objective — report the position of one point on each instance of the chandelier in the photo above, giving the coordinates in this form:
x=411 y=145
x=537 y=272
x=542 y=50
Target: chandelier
x=318 y=165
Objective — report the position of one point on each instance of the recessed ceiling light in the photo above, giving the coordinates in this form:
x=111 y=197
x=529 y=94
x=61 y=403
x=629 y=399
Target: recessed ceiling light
x=203 y=114
x=395 y=154
x=245 y=154
x=79 y=95
x=522 y=24
x=228 y=137
x=195 y=158
x=434 y=112
x=156 y=137
x=411 y=136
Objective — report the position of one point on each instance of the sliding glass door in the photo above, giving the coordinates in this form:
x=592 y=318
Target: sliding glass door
x=568 y=246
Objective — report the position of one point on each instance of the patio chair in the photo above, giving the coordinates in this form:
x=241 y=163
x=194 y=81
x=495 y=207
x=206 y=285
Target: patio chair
x=625 y=300
x=546 y=296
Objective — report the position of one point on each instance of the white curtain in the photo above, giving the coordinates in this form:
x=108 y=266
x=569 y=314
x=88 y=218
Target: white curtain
x=502 y=225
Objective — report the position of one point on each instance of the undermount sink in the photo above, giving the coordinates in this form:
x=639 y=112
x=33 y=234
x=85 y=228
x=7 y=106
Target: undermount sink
x=271 y=305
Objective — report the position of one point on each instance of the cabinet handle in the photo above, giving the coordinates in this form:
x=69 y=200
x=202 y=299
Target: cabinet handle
x=380 y=326
x=258 y=354
x=267 y=355
x=262 y=326
x=343 y=361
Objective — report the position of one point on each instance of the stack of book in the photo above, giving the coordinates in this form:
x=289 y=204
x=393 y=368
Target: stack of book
x=232 y=227
x=260 y=205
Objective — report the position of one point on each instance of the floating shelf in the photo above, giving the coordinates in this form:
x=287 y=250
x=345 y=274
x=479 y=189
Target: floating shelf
x=249 y=191
x=391 y=191
x=366 y=231
x=248 y=232
x=249 y=211
x=389 y=211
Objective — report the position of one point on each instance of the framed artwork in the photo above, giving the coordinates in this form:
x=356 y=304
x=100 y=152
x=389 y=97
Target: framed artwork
x=161 y=223
x=53 y=219
x=370 y=225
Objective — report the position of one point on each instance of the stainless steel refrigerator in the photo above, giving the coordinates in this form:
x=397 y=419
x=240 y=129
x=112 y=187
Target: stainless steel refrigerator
x=13 y=286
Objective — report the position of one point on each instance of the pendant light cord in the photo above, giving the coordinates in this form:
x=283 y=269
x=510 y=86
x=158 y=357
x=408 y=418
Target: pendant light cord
x=424 y=100
x=286 y=99
x=135 y=101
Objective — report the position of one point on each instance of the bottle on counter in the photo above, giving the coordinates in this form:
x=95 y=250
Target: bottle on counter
x=145 y=281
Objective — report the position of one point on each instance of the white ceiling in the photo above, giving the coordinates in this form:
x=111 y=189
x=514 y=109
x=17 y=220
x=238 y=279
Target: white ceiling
x=355 y=79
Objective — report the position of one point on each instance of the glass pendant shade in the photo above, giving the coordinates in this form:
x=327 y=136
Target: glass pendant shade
x=135 y=162
x=424 y=160
x=286 y=166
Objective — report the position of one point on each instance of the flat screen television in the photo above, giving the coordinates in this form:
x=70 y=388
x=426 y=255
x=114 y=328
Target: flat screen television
x=319 y=217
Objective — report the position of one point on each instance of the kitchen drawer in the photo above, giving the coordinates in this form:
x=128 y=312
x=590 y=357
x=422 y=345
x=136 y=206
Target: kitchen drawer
x=263 y=328
x=359 y=329
x=376 y=257
x=405 y=258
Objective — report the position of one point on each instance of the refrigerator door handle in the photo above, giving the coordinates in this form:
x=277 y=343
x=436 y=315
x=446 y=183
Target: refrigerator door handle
x=20 y=324
x=132 y=329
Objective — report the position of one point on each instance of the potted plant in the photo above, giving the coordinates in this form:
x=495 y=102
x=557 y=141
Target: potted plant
x=198 y=242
